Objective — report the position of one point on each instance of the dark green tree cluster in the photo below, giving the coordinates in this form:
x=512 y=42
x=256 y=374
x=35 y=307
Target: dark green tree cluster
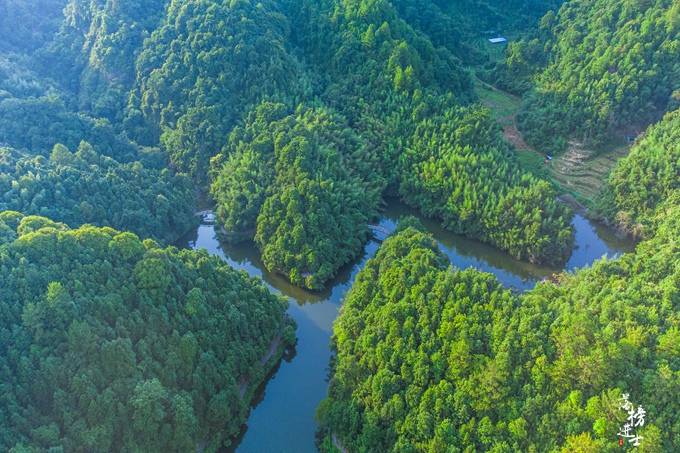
x=386 y=79
x=648 y=176
x=109 y=343
x=200 y=71
x=19 y=81
x=457 y=168
x=390 y=81
x=299 y=182
x=454 y=24
x=430 y=359
x=86 y=187
x=36 y=124
x=100 y=40
x=612 y=67
x=375 y=72
x=28 y=25
x=369 y=54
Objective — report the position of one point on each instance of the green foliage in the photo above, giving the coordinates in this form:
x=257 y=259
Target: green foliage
x=201 y=69
x=457 y=168
x=397 y=90
x=435 y=359
x=101 y=41
x=648 y=176
x=369 y=54
x=111 y=344
x=37 y=124
x=456 y=24
x=300 y=182
x=27 y=25
x=85 y=187
x=400 y=354
x=611 y=66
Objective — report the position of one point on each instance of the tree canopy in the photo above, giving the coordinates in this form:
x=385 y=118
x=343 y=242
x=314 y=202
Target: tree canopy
x=430 y=358
x=85 y=187
x=201 y=69
x=113 y=343
x=299 y=181
x=648 y=176
x=610 y=67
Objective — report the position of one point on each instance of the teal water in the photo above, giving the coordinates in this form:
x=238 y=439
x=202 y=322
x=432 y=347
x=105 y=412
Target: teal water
x=282 y=419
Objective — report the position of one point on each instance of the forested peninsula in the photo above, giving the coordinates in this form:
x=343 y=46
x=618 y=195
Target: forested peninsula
x=112 y=343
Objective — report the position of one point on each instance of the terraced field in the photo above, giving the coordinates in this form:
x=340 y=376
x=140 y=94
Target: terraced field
x=579 y=172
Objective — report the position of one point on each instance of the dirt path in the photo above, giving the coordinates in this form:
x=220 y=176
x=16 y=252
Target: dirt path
x=273 y=348
x=514 y=136
x=579 y=172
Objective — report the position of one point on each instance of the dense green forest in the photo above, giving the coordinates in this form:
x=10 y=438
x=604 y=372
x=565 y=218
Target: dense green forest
x=110 y=343
x=28 y=24
x=298 y=119
x=59 y=156
x=596 y=68
x=456 y=24
x=431 y=358
x=85 y=187
x=200 y=71
x=388 y=81
x=300 y=182
x=456 y=167
x=36 y=124
x=649 y=175
x=100 y=40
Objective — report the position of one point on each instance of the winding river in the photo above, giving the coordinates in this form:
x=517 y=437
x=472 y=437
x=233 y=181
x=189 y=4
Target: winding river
x=282 y=419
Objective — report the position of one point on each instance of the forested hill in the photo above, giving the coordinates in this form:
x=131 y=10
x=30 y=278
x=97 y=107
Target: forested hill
x=456 y=24
x=474 y=366
x=385 y=81
x=598 y=68
x=648 y=176
x=299 y=118
x=28 y=24
x=110 y=343
x=184 y=76
x=200 y=71
x=94 y=51
x=63 y=152
x=82 y=187
x=430 y=358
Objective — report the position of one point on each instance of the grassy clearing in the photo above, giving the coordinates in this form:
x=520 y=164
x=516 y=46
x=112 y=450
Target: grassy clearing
x=503 y=105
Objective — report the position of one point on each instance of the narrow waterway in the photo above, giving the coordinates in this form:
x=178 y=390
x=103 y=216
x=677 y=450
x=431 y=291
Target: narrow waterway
x=283 y=417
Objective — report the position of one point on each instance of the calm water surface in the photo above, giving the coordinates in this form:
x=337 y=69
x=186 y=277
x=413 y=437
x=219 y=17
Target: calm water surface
x=283 y=417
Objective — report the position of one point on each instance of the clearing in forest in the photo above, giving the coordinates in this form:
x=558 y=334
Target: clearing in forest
x=582 y=172
x=579 y=171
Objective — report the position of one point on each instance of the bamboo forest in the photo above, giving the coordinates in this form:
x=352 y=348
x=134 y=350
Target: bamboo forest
x=339 y=226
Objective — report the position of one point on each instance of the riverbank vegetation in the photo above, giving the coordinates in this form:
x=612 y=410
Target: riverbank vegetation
x=299 y=117
x=649 y=175
x=300 y=181
x=387 y=83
